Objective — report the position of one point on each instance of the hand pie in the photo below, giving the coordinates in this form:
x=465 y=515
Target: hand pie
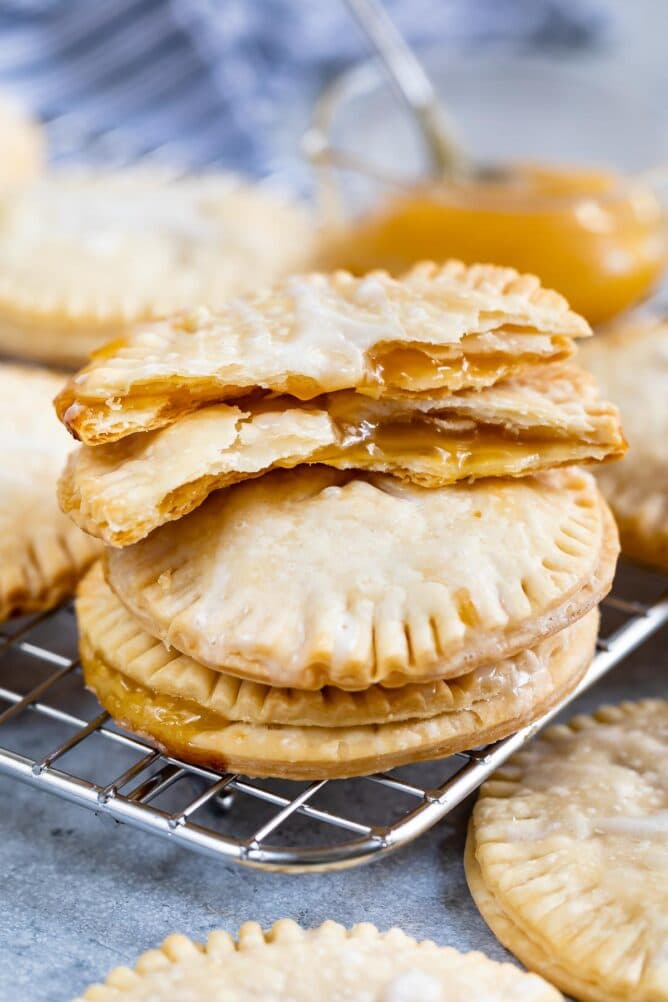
x=567 y=858
x=123 y=490
x=439 y=329
x=42 y=554
x=204 y=716
x=22 y=145
x=85 y=254
x=311 y=577
x=631 y=364
x=330 y=964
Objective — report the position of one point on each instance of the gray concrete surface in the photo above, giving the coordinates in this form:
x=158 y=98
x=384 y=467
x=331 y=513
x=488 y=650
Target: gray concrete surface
x=81 y=894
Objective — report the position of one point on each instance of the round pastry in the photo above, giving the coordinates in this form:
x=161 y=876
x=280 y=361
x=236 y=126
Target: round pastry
x=566 y=855
x=331 y=964
x=631 y=364
x=110 y=635
x=438 y=330
x=204 y=716
x=22 y=145
x=42 y=553
x=83 y=255
x=549 y=417
x=312 y=577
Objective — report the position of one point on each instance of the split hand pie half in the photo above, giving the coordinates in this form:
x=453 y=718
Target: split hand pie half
x=200 y=715
x=631 y=364
x=438 y=330
x=312 y=576
x=567 y=858
x=330 y=964
x=42 y=553
x=123 y=490
x=84 y=254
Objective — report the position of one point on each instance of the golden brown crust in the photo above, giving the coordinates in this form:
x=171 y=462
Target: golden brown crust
x=440 y=328
x=109 y=634
x=529 y=952
x=311 y=577
x=642 y=520
x=631 y=362
x=165 y=710
x=566 y=854
x=121 y=491
x=42 y=554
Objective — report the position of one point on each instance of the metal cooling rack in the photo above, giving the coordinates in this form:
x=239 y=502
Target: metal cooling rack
x=53 y=736
x=62 y=744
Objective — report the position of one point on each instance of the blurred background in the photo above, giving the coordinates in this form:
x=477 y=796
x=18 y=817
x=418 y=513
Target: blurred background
x=569 y=93
x=234 y=81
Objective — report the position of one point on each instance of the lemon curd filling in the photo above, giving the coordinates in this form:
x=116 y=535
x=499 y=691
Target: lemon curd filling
x=445 y=447
x=484 y=451
x=415 y=371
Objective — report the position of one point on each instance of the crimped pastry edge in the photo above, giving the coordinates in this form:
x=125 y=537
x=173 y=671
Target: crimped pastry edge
x=515 y=939
x=178 y=949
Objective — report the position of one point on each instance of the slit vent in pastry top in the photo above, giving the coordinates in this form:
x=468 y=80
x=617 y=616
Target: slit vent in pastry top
x=438 y=330
x=551 y=417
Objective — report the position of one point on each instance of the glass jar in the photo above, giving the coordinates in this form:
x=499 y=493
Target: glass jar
x=595 y=235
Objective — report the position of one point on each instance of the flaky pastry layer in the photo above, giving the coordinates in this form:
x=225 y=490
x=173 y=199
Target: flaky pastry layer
x=187 y=729
x=440 y=329
x=551 y=417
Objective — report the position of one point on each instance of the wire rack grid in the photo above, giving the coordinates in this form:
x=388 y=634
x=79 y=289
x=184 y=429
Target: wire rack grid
x=273 y=825
x=50 y=722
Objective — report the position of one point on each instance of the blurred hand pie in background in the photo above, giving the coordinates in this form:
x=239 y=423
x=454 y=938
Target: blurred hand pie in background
x=630 y=361
x=84 y=254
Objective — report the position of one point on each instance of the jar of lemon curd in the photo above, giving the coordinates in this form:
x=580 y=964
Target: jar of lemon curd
x=596 y=234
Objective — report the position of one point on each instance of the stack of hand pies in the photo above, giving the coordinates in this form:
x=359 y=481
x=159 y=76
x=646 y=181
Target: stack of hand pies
x=344 y=526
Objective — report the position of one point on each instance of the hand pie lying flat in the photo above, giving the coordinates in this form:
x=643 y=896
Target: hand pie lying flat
x=632 y=366
x=111 y=637
x=42 y=553
x=567 y=857
x=122 y=491
x=22 y=145
x=311 y=577
x=330 y=964
x=211 y=719
x=437 y=330
x=84 y=254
